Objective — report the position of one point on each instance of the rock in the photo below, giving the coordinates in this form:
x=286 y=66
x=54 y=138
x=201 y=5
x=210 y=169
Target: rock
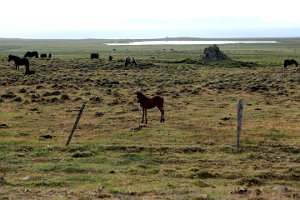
x=2 y=181
x=225 y=118
x=212 y=53
x=99 y=114
x=95 y=99
x=82 y=155
x=240 y=191
x=54 y=100
x=258 y=87
x=3 y=126
x=48 y=136
x=26 y=178
x=65 y=97
x=104 y=196
x=23 y=90
x=258 y=191
x=17 y=99
x=8 y=95
x=281 y=188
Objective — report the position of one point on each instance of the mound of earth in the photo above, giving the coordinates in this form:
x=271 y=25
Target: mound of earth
x=212 y=53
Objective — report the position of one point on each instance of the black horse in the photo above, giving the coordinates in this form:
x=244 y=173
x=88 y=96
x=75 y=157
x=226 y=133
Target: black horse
x=31 y=54
x=110 y=58
x=94 y=55
x=43 y=55
x=130 y=60
x=289 y=62
x=19 y=61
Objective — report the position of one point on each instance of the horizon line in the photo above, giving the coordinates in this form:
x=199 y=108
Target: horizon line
x=150 y=38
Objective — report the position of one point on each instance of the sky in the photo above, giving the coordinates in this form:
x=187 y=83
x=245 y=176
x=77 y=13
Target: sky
x=139 y=19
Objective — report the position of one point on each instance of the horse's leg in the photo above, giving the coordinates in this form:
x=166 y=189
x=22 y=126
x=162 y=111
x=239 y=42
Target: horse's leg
x=27 y=68
x=146 y=119
x=162 y=114
x=143 y=115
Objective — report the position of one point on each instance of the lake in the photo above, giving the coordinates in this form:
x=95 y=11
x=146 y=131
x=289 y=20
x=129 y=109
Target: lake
x=206 y=42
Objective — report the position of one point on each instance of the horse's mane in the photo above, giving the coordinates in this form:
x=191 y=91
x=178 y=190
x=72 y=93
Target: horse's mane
x=141 y=96
x=13 y=57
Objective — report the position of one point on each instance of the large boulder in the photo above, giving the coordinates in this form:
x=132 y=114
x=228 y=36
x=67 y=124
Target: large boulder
x=213 y=53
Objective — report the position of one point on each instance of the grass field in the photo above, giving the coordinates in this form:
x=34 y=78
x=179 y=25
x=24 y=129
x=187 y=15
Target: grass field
x=113 y=156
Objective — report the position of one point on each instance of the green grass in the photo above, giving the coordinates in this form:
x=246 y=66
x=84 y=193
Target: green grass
x=190 y=156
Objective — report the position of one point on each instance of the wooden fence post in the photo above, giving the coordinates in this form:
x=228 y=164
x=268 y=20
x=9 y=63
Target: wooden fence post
x=240 y=108
x=75 y=124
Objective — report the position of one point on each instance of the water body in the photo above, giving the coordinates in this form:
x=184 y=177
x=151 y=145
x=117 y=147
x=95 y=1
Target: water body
x=191 y=42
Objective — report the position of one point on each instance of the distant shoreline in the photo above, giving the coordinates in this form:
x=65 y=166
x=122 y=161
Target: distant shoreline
x=169 y=39
x=191 y=42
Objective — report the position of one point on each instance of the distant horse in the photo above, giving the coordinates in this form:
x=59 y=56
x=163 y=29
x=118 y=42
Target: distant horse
x=289 y=62
x=130 y=60
x=43 y=55
x=94 y=55
x=31 y=54
x=49 y=55
x=148 y=103
x=110 y=58
x=19 y=61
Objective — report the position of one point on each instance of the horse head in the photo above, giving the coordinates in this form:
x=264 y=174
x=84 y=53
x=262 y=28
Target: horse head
x=10 y=58
x=140 y=96
x=295 y=62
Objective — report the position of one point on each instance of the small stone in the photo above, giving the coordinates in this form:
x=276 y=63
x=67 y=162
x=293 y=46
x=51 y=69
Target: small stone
x=2 y=181
x=258 y=191
x=26 y=178
x=281 y=188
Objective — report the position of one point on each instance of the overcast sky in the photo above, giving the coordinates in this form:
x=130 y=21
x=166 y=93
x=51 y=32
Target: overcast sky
x=149 y=19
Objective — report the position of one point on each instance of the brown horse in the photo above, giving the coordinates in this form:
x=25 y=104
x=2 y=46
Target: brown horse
x=148 y=103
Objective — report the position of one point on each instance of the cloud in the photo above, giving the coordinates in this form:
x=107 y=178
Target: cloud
x=34 y=16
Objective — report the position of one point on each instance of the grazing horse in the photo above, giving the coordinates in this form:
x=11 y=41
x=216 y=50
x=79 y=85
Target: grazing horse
x=19 y=61
x=148 y=103
x=31 y=54
x=288 y=62
x=94 y=55
x=43 y=55
x=130 y=60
